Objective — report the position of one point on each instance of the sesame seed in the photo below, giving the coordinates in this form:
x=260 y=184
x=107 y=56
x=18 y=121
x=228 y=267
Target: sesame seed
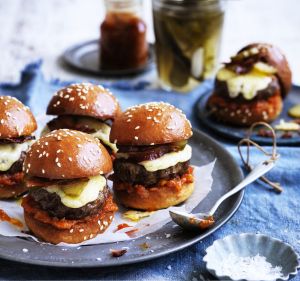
x=43 y=171
x=71 y=230
x=58 y=164
x=81 y=230
x=149 y=117
x=136 y=137
x=137 y=127
x=128 y=120
x=70 y=159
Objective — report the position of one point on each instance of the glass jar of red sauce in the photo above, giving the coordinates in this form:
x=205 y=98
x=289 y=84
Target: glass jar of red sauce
x=123 y=42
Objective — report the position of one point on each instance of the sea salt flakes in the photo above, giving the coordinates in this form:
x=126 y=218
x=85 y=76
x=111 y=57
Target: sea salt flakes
x=250 y=268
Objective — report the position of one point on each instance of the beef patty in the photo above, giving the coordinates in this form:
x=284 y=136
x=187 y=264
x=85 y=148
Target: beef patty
x=51 y=203
x=125 y=171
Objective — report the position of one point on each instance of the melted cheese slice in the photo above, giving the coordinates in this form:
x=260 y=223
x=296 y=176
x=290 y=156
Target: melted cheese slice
x=102 y=133
x=168 y=160
x=79 y=194
x=247 y=84
x=10 y=153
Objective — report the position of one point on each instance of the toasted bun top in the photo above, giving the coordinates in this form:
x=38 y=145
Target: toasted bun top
x=274 y=57
x=149 y=124
x=16 y=119
x=67 y=154
x=84 y=99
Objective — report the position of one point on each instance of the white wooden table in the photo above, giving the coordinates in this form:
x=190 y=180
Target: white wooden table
x=32 y=29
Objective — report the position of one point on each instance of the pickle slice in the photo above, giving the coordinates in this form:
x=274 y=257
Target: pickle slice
x=75 y=189
x=295 y=111
x=264 y=68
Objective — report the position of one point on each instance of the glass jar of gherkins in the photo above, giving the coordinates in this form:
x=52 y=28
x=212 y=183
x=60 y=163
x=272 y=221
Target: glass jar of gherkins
x=188 y=35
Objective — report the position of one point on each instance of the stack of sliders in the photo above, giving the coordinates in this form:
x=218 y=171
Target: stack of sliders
x=251 y=87
x=87 y=108
x=16 y=127
x=69 y=200
x=151 y=169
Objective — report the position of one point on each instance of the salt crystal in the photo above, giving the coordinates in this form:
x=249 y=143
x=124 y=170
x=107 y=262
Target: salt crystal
x=250 y=268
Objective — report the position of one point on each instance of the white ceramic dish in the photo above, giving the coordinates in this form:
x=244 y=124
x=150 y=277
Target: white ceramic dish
x=276 y=252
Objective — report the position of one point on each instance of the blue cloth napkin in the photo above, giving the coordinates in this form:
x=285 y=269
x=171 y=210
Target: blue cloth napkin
x=262 y=210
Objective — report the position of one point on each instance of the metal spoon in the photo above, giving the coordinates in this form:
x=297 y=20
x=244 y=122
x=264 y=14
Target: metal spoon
x=205 y=220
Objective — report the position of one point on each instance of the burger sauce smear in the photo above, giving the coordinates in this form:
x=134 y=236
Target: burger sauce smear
x=5 y=217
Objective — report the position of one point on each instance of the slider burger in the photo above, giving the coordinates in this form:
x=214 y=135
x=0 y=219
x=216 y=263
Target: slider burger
x=16 y=127
x=152 y=169
x=251 y=87
x=84 y=107
x=69 y=200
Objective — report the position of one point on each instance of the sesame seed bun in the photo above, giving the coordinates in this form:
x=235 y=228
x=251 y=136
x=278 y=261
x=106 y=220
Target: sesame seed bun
x=229 y=111
x=153 y=198
x=70 y=231
x=84 y=99
x=16 y=120
x=149 y=124
x=273 y=56
x=67 y=154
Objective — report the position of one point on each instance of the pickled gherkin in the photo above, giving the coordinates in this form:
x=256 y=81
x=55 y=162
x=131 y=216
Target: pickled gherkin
x=188 y=34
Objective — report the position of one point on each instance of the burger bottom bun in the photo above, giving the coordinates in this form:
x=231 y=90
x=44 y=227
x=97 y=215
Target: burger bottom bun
x=7 y=192
x=81 y=231
x=153 y=198
x=244 y=113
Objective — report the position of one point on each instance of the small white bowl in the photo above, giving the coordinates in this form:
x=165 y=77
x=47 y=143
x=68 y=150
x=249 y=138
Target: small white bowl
x=275 y=251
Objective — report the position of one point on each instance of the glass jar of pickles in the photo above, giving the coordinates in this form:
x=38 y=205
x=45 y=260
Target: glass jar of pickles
x=188 y=34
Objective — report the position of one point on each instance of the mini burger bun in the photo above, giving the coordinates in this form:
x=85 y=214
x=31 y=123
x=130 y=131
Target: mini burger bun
x=154 y=198
x=78 y=232
x=67 y=154
x=238 y=113
x=274 y=57
x=84 y=99
x=150 y=124
x=16 y=120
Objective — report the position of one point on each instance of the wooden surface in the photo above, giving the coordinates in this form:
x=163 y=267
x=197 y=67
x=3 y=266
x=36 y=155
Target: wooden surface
x=33 y=29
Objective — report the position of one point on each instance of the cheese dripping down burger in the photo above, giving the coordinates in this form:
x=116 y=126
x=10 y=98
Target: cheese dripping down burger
x=151 y=169
x=251 y=87
x=84 y=107
x=69 y=200
x=16 y=127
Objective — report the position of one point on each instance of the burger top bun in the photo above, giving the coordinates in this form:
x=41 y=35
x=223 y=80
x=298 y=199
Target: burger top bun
x=150 y=124
x=67 y=154
x=16 y=119
x=84 y=99
x=270 y=55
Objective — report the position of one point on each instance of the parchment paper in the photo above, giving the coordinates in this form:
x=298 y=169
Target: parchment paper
x=203 y=183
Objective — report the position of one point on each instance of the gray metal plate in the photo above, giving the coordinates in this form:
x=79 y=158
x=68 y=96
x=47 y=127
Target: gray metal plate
x=85 y=57
x=226 y=175
x=238 y=133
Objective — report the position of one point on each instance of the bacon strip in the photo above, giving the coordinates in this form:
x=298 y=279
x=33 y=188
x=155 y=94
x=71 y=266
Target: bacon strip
x=11 y=179
x=16 y=140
